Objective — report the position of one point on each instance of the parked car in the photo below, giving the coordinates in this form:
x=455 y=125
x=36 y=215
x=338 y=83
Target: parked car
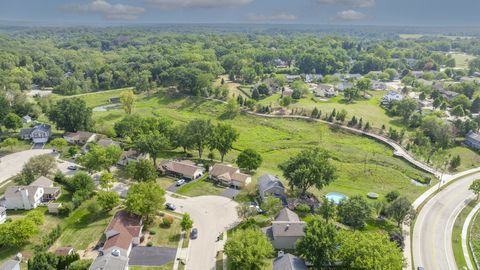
x=170 y=206
x=72 y=167
x=180 y=182
x=194 y=233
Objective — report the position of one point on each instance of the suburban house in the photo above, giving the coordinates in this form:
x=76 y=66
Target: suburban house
x=229 y=176
x=107 y=142
x=341 y=86
x=10 y=265
x=79 y=137
x=181 y=168
x=3 y=214
x=378 y=86
x=472 y=139
x=390 y=97
x=31 y=196
x=123 y=232
x=449 y=95
x=310 y=78
x=26 y=119
x=287 y=92
x=130 y=156
x=286 y=230
x=279 y=63
x=38 y=134
x=291 y=78
x=64 y=251
x=269 y=185
x=288 y=262
x=325 y=90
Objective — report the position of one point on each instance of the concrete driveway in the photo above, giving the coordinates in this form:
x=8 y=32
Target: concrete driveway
x=12 y=164
x=211 y=216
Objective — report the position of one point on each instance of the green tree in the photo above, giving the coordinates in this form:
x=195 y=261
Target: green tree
x=399 y=209
x=17 y=232
x=106 y=180
x=43 y=261
x=272 y=205
x=10 y=143
x=59 y=143
x=145 y=199
x=13 y=121
x=41 y=165
x=363 y=84
x=365 y=251
x=354 y=212
x=309 y=168
x=127 y=99
x=71 y=114
x=100 y=158
x=320 y=243
x=475 y=187
x=187 y=222
x=199 y=133
x=81 y=182
x=249 y=159
x=248 y=249
x=224 y=135
x=152 y=143
x=458 y=111
x=144 y=171
x=328 y=209
x=80 y=265
x=108 y=199
x=405 y=108
x=232 y=109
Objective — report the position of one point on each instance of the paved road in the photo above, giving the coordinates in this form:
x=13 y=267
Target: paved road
x=432 y=233
x=12 y=164
x=211 y=216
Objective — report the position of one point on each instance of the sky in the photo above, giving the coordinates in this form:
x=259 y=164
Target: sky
x=335 y=12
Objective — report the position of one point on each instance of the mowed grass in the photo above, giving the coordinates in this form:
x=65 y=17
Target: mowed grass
x=199 y=188
x=363 y=164
x=165 y=236
x=83 y=228
x=475 y=237
x=462 y=59
x=168 y=266
x=457 y=235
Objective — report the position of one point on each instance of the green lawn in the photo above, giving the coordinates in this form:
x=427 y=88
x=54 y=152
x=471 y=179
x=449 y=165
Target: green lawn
x=167 y=266
x=83 y=228
x=199 y=188
x=457 y=235
x=165 y=182
x=461 y=59
x=475 y=237
x=165 y=236
x=363 y=164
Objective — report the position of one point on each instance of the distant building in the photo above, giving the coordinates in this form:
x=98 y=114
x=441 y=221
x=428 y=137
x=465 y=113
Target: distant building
x=279 y=63
x=325 y=90
x=181 y=168
x=130 y=156
x=38 y=134
x=286 y=230
x=291 y=78
x=26 y=119
x=390 y=97
x=79 y=137
x=229 y=176
x=341 y=86
x=472 y=139
x=310 y=78
x=378 y=86
x=114 y=100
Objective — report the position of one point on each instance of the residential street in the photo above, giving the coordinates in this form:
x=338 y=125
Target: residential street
x=12 y=164
x=432 y=234
x=211 y=216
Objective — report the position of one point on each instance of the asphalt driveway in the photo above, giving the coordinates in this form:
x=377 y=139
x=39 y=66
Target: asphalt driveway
x=151 y=256
x=230 y=193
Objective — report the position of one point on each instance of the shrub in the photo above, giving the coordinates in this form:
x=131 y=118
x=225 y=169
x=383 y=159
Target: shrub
x=303 y=209
x=66 y=209
x=392 y=196
x=149 y=244
x=167 y=221
x=152 y=232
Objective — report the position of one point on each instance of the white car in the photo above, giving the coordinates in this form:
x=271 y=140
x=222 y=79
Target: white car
x=180 y=182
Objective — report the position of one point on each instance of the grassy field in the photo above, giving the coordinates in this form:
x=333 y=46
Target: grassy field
x=168 y=266
x=410 y=36
x=462 y=59
x=82 y=228
x=475 y=237
x=363 y=164
x=199 y=188
x=457 y=235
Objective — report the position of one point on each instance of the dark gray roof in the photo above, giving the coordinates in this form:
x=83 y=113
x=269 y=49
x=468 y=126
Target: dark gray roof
x=472 y=136
x=9 y=265
x=43 y=127
x=287 y=215
x=25 y=131
x=268 y=181
x=108 y=261
x=283 y=228
x=289 y=262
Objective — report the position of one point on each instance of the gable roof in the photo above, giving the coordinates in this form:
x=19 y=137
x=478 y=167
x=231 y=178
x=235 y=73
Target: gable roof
x=108 y=261
x=472 y=136
x=106 y=142
x=287 y=215
x=14 y=191
x=223 y=170
x=63 y=251
x=42 y=181
x=268 y=181
x=289 y=262
x=123 y=228
x=79 y=135
x=9 y=265
x=184 y=167
x=286 y=228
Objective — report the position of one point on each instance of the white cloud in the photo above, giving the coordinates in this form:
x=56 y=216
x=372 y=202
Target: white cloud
x=349 y=15
x=108 y=10
x=279 y=16
x=348 y=3
x=173 y=4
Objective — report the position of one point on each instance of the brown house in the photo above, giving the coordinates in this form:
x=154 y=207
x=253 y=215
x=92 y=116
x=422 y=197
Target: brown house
x=181 y=168
x=229 y=176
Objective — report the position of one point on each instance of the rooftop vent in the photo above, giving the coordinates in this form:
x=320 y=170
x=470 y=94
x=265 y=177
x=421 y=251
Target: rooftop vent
x=116 y=252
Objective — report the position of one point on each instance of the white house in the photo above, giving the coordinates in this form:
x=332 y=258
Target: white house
x=10 y=265
x=3 y=214
x=38 y=134
x=390 y=97
x=23 y=197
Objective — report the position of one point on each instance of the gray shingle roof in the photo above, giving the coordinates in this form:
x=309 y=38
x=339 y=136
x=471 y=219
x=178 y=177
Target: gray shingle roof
x=268 y=181
x=282 y=228
x=289 y=262
x=287 y=215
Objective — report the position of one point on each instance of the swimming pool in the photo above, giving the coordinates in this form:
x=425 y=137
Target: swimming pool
x=335 y=197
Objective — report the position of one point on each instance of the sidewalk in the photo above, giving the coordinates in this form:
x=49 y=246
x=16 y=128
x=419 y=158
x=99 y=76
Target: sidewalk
x=182 y=253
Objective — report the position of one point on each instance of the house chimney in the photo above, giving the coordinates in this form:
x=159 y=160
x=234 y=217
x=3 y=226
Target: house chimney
x=280 y=253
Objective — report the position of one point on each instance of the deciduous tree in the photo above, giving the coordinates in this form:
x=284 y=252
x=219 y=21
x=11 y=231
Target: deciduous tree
x=71 y=115
x=249 y=159
x=248 y=249
x=145 y=199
